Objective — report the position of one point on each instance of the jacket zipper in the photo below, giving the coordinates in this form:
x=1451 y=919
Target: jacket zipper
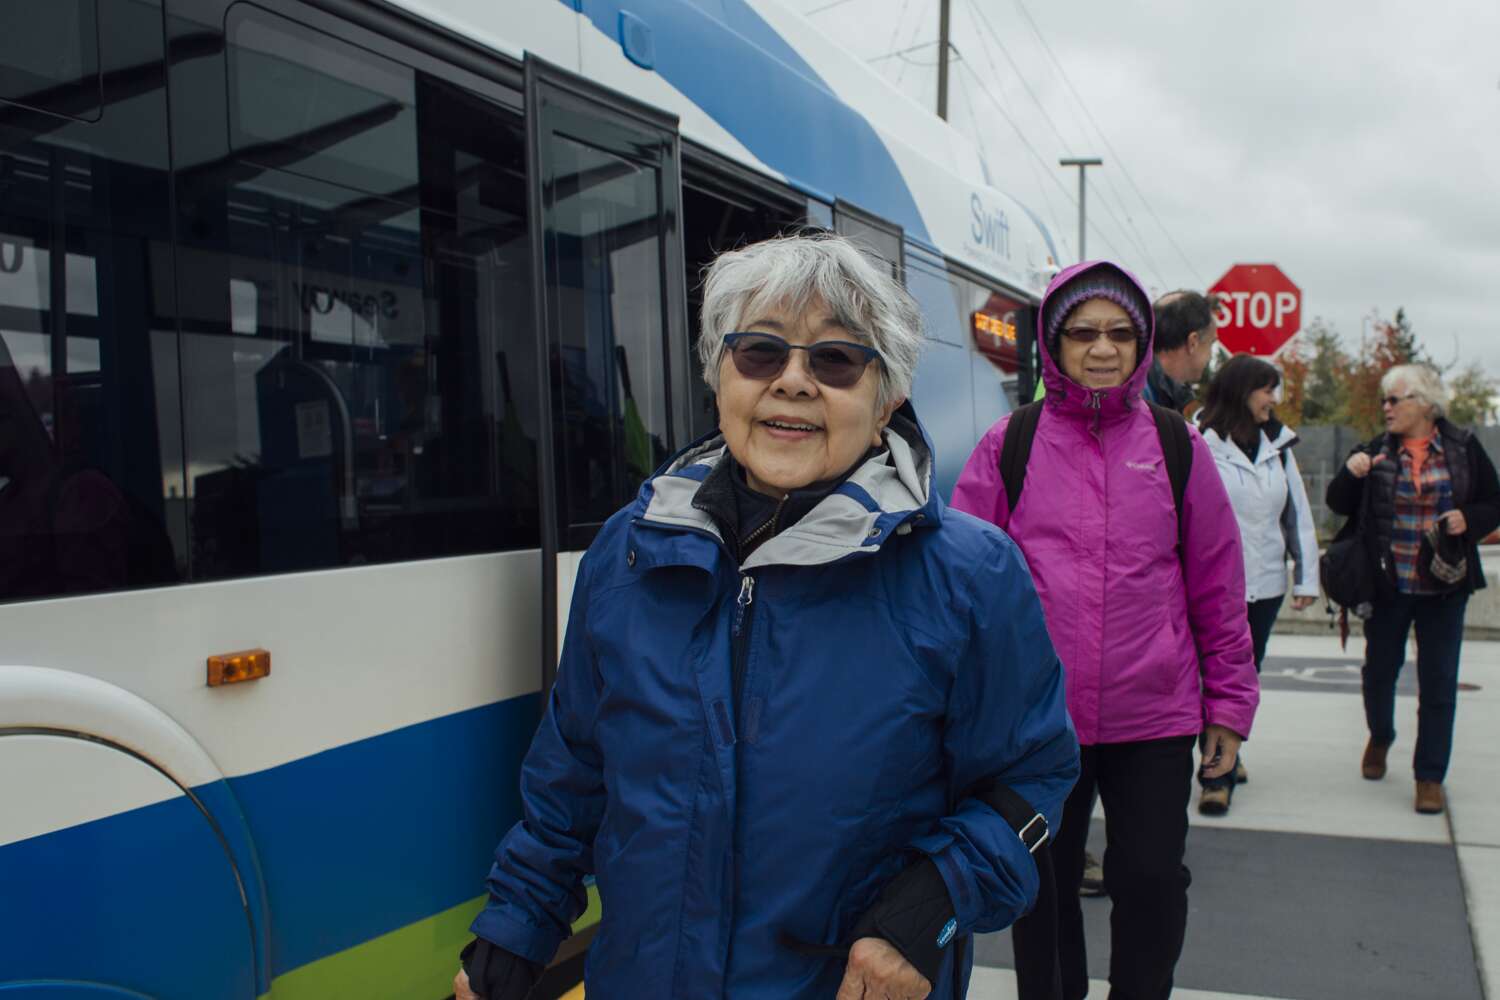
x=743 y=612
x=1096 y=403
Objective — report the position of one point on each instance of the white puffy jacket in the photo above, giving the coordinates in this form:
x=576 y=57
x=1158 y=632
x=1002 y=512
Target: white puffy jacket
x=1275 y=519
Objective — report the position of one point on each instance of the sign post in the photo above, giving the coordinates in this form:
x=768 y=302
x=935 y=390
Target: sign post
x=1259 y=309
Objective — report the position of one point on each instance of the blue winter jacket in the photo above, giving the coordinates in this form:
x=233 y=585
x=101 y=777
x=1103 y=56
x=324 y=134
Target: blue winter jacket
x=895 y=658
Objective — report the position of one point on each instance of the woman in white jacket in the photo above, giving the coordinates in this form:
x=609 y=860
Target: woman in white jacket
x=1253 y=452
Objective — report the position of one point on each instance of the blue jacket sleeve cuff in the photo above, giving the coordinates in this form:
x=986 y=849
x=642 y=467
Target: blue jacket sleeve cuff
x=533 y=943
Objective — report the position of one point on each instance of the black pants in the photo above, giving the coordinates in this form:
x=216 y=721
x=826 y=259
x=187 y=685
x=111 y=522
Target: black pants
x=1262 y=615
x=1145 y=787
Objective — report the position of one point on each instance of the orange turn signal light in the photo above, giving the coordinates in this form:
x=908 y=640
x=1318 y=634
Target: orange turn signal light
x=232 y=668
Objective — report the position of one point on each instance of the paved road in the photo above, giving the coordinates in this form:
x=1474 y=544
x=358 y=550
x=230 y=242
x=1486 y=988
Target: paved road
x=1322 y=886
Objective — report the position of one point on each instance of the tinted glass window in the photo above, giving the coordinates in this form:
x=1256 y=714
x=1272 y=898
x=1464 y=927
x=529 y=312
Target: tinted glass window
x=712 y=223
x=90 y=470
x=873 y=234
x=49 y=56
x=307 y=102
x=359 y=361
x=605 y=213
x=940 y=299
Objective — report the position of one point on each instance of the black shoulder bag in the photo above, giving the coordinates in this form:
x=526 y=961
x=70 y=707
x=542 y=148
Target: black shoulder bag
x=1347 y=569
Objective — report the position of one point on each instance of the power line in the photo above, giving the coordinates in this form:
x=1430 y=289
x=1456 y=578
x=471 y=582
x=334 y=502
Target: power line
x=896 y=32
x=1108 y=176
x=1042 y=188
x=1128 y=231
x=826 y=6
x=915 y=31
x=1107 y=144
x=902 y=53
x=1047 y=168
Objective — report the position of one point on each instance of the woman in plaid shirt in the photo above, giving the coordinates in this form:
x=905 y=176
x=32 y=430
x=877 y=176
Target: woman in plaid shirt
x=1435 y=496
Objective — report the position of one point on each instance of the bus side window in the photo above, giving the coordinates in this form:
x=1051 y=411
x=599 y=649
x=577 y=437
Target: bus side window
x=89 y=430
x=49 y=58
x=714 y=220
x=942 y=391
x=873 y=233
x=358 y=351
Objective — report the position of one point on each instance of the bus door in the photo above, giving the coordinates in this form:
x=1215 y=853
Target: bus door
x=612 y=328
x=724 y=206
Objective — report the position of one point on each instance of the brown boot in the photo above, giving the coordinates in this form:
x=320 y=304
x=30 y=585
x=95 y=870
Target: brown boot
x=1429 y=797
x=1373 y=764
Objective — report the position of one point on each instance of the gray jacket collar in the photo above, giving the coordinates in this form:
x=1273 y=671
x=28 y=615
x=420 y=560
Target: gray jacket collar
x=886 y=495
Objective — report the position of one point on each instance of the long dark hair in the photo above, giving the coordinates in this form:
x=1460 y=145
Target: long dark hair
x=1225 y=410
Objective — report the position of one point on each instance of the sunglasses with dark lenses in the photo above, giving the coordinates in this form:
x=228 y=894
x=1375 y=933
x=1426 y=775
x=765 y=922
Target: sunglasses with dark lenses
x=838 y=364
x=1089 y=334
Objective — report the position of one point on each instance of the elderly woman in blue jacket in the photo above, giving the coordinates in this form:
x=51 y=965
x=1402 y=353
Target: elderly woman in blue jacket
x=808 y=726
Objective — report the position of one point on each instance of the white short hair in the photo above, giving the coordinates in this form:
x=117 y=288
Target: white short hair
x=1422 y=382
x=791 y=272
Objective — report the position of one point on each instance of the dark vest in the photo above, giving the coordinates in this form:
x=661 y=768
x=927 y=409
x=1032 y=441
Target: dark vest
x=1382 y=481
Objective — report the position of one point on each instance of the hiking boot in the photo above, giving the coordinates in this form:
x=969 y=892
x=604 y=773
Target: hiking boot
x=1214 y=799
x=1240 y=777
x=1373 y=764
x=1430 y=797
x=1093 y=876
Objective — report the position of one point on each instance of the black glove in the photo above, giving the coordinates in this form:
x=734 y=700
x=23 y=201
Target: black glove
x=913 y=913
x=497 y=974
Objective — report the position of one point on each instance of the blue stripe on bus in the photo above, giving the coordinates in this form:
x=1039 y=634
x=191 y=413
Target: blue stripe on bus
x=371 y=836
x=793 y=121
x=144 y=900
x=352 y=843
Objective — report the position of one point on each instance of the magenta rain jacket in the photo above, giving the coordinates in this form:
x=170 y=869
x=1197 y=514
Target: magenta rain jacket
x=1152 y=646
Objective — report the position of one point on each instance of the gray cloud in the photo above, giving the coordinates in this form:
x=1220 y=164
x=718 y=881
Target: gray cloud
x=1356 y=145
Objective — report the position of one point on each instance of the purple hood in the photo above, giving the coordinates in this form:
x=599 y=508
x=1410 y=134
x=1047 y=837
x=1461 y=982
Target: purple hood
x=1062 y=390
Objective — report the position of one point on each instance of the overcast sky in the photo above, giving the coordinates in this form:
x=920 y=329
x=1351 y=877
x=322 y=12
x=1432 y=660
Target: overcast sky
x=1356 y=145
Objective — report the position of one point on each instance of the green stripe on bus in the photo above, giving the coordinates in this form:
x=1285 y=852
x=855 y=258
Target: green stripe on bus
x=415 y=961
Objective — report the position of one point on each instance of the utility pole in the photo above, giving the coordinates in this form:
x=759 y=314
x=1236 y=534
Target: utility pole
x=1082 y=163
x=943 y=60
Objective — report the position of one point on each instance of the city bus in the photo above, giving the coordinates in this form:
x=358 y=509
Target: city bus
x=330 y=333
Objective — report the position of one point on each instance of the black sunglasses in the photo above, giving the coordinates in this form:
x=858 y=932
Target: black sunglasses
x=838 y=364
x=1089 y=334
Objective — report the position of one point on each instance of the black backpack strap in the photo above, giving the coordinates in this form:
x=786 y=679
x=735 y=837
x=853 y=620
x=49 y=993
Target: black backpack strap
x=1177 y=449
x=1016 y=450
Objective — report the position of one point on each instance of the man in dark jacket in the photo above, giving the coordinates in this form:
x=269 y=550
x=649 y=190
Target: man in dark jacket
x=1186 y=332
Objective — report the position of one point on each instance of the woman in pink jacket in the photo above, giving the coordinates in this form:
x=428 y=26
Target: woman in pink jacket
x=1148 y=617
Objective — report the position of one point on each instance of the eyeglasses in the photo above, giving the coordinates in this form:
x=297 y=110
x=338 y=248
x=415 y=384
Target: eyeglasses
x=1393 y=400
x=837 y=364
x=1089 y=334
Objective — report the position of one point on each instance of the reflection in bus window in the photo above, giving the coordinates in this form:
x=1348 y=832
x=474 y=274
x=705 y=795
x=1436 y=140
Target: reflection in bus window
x=303 y=101
x=605 y=211
x=88 y=368
x=713 y=223
x=358 y=357
x=49 y=57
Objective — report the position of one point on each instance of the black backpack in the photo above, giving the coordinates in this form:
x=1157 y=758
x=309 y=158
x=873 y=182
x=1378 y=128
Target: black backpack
x=1171 y=428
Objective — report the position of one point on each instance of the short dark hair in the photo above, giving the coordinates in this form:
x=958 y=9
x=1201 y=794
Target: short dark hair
x=1179 y=314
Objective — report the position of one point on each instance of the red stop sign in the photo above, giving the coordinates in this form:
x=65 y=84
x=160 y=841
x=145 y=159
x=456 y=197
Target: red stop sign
x=1259 y=309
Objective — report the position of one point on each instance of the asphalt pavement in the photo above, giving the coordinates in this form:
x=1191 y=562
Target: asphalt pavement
x=1320 y=885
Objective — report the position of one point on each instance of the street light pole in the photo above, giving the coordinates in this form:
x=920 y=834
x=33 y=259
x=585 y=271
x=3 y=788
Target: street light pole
x=942 y=108
x=1082 y=163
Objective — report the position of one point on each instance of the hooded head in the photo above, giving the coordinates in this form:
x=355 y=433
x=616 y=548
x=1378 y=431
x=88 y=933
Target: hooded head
x=1095 y=296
